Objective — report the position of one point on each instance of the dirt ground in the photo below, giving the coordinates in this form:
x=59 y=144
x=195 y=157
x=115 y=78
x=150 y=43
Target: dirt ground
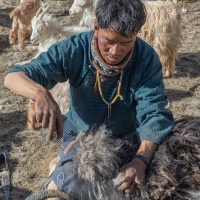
x=28 y=151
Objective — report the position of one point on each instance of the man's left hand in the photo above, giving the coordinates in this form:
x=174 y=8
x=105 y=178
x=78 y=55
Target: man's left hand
x=131 y=173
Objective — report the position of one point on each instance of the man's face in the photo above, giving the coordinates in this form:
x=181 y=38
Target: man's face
x=113 y=47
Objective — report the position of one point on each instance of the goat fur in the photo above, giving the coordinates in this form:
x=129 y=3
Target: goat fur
x=174 y=172
x=162 y=29
x=21 y=25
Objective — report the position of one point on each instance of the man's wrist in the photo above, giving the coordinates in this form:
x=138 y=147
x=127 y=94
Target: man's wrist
x=146 y=160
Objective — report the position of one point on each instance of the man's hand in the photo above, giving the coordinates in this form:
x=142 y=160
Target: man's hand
x=134 y=171
x=131 y=173
x=48 y=114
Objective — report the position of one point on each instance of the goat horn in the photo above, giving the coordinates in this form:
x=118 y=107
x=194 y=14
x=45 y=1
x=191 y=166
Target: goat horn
x=43 y=12
x=40 y=9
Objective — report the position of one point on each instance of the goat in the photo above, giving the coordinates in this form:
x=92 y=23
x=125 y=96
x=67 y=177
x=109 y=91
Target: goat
x=46 y=31
x=21 y=24
x=174 y=172
x=85 y=10
x=161 y=30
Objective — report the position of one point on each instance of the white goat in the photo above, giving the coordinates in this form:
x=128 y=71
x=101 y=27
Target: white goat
x=84 y=9
x=161 y=30
x=46 y=31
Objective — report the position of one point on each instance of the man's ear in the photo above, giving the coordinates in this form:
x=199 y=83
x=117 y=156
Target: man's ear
x=95 y=28
x=95 y=25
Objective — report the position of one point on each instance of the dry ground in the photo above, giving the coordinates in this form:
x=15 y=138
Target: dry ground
x=29 y=153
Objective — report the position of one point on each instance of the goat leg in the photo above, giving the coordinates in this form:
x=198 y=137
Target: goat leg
x=21 y=35
x=13 y=31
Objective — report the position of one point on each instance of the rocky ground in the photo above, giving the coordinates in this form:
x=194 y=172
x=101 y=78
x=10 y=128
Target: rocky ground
x=29 y=153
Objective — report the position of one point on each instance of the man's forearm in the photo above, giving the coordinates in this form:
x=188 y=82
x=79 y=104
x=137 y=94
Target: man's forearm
x=21 y=84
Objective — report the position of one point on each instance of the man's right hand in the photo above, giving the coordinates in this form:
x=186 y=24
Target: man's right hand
x=48 y=114
x=46 y=109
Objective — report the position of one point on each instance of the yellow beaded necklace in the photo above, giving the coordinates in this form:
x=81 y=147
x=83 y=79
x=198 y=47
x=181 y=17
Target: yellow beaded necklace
x=118 y=95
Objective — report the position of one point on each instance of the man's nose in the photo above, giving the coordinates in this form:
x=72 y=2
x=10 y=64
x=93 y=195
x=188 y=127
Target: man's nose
x=114 y=50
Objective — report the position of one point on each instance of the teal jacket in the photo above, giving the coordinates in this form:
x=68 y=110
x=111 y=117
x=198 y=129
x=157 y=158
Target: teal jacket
x=142 y=109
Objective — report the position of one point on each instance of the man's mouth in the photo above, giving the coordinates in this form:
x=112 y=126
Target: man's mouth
x=112 y=58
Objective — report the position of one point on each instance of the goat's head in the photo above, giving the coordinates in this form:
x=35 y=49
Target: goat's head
x=40 y=26
x=79 y=6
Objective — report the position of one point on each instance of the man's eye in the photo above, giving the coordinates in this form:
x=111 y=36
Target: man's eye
x=110 y=42
x=126 y=43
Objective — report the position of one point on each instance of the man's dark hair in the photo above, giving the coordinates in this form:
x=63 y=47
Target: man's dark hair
x=126 y=17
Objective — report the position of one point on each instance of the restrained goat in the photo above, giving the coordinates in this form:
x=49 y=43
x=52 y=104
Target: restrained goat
x=161 y=30
x=21 y=25
x=174 y=172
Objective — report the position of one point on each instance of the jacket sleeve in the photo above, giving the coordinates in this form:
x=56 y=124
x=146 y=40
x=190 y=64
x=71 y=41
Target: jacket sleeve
x=48 y=68
x=155 y=121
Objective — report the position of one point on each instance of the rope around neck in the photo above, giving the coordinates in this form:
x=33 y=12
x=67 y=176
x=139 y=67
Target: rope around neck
x=116 y=69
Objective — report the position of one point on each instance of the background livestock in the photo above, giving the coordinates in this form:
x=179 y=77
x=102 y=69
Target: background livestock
x=28 y=151
x=22 y=16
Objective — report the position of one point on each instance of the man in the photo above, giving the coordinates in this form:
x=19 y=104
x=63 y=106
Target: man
x=115 y=78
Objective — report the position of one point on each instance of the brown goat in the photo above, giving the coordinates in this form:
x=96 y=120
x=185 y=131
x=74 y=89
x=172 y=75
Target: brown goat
x=22 y=16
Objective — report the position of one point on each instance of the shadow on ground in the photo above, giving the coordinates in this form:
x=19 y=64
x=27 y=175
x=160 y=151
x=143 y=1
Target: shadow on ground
x=9 y=128
x=176 y=95
x=5 y=20
x=4 y=43
x=19 y=193
x=188 y=65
